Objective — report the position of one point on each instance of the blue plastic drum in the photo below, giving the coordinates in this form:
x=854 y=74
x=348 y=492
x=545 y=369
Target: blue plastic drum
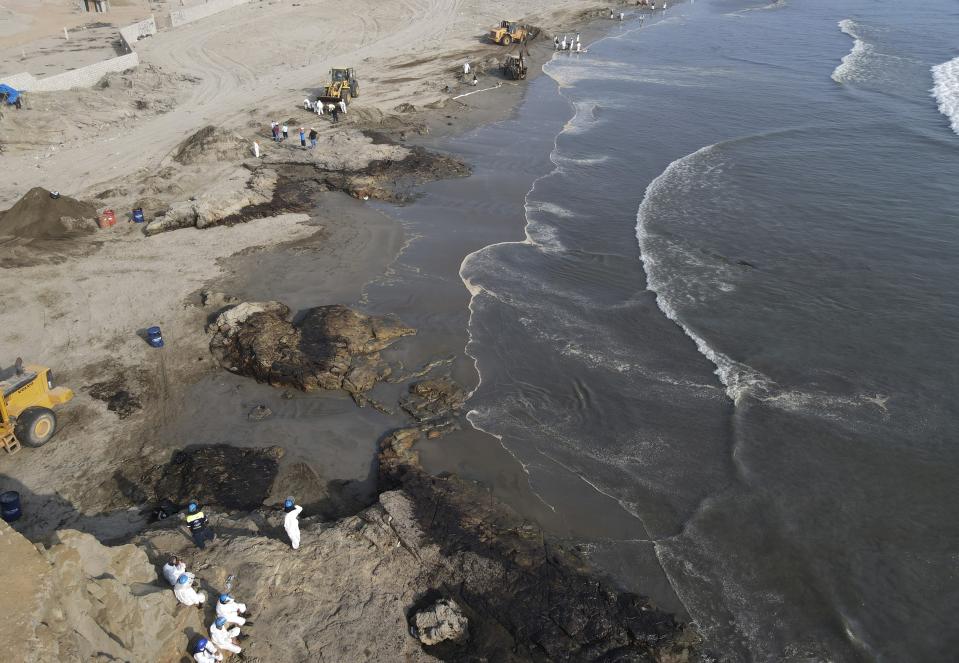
x=10 y=506
x=154 y=337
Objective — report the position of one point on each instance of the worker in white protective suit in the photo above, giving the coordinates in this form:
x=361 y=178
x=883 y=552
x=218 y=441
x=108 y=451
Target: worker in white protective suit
x=205 y=652
x=222 y=635
x=173 y=569
x=291 y=522
x=227 y=607
x=184 y=592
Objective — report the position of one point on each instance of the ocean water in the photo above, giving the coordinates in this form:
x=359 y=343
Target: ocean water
x=733 y=319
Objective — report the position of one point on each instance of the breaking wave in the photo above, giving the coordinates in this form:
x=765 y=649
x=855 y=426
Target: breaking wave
x=870 y=62
x=739 y=379
x=672 y=287
x=945 y=89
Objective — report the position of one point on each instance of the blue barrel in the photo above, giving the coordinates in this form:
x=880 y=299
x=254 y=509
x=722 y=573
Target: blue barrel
x=154 y=337
x=138 y=215
x=10 y=506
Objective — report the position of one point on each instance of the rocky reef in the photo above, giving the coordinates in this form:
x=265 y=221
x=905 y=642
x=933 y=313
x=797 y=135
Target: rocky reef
x=329 y=347
x=432 y=570
x=238 y=188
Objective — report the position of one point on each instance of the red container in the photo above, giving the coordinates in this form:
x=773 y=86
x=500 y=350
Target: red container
x=108 y=219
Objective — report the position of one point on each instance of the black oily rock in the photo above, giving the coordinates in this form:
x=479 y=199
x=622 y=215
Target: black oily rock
x=329 y=347
x=509 y=575
x=220 y=475
x=434 y=404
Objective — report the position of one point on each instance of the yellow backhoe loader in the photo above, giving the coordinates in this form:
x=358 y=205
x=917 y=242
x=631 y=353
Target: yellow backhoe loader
x=26 y=405
x=343 y=85
x=509 y=31
x=514 y=67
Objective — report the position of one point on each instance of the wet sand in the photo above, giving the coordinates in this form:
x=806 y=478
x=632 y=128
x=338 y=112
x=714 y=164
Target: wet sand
x=326 y=430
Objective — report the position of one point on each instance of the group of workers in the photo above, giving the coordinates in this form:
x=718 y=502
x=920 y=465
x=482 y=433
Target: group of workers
x=225 y=629
x=320 y=108
x=570 y=45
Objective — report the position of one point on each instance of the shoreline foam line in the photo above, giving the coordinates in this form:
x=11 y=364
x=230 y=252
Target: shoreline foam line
x=475 y=290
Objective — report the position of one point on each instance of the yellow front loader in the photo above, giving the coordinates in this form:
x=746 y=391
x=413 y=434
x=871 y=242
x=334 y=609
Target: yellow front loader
x=343 y=85
x=509 y=31
x=26 y=405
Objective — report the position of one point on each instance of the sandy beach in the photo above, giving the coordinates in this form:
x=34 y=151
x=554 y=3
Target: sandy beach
x=175 y=138
x=94 y=297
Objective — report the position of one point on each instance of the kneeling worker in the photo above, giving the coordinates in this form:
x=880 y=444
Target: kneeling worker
x=173 y=569
x=205 y=652
x=185 y=593
x=222 y=636
x=230 y=609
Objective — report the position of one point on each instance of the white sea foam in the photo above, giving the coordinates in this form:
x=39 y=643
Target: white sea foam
x=644 y=72
x=870 y=62
x=778 y=4
x=549 y=208
x=945 y=77
x=583 y=119
x=582 y=161
x=545 y=238
x=852 y=62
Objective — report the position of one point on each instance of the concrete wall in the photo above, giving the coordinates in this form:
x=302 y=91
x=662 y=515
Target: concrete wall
x=91 y=74
x=190 y=14
x=83 y=77
x=22 y=81
x=131 y=34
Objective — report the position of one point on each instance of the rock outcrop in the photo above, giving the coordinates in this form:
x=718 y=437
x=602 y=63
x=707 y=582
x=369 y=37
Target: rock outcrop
x=441 y=621
x=224 y=198
x=79 y=600
x=435 y=404
x=432 y=570
x=330 y=347
x=237 y=188
x=357 y=585
x=510 y=578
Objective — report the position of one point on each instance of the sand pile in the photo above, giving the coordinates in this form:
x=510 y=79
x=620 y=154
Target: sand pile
x=211 y=145
x=38 y=216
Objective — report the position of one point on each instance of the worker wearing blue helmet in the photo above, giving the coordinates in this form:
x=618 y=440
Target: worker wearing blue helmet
x=205 y=652
x=185 y=593
x=199 y=529
x=229 y=609
x=291 y=521
x=223 y=636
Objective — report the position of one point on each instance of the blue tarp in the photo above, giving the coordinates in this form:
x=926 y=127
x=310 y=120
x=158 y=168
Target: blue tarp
x=11 y=93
